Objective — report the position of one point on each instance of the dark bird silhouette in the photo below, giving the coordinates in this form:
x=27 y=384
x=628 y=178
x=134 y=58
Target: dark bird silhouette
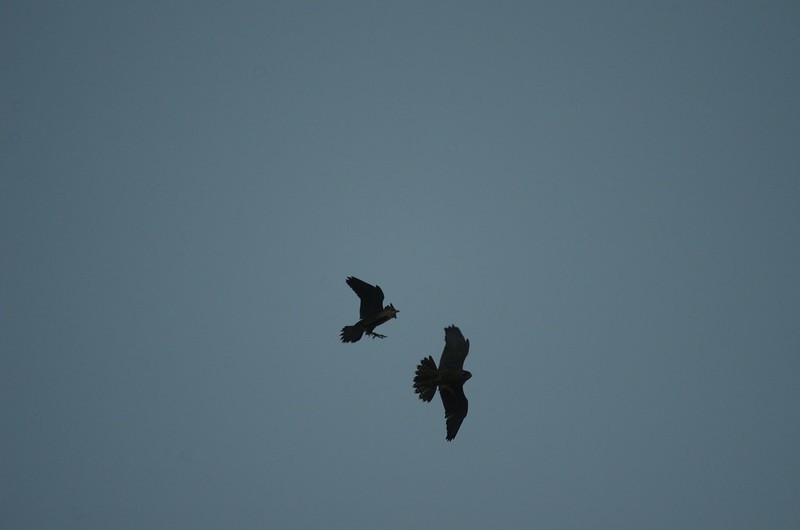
x=449 y=378
x=371 y=312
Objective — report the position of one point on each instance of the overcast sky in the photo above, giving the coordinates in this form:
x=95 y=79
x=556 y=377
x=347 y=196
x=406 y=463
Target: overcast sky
x=603 y=196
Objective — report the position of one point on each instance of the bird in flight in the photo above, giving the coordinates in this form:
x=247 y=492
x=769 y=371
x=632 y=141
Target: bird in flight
x=371 y=312
x=449 y=378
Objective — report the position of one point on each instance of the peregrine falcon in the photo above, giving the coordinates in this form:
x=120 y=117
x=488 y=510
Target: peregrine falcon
x=371 y=312
x=449 y=378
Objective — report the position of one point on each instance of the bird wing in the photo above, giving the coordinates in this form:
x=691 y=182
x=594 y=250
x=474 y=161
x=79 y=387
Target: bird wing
x=371 y=297
x=455 y=407
x=456 y=348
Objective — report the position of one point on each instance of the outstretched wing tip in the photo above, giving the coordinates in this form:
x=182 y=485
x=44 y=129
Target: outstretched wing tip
x=456 y=406
x=371 y=296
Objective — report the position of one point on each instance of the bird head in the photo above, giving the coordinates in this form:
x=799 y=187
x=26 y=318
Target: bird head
x=391 y=311
x=467 y=375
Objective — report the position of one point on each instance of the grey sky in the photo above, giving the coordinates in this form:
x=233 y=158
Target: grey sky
x=603 y=196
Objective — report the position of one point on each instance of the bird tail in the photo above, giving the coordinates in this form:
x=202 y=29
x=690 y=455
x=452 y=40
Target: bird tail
x=425 y=379
x=352 y=333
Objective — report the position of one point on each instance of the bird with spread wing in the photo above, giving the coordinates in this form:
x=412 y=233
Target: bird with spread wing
x=449 y=378
x=372 y=313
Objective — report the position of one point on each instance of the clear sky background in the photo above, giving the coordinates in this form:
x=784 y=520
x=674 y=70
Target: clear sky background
x=604 y=196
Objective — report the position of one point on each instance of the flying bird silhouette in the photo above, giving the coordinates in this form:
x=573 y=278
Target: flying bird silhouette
x=371 y=312
x=449 y=378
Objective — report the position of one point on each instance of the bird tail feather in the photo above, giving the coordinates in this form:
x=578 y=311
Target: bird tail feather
x=352 y=333
x=425 y=379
